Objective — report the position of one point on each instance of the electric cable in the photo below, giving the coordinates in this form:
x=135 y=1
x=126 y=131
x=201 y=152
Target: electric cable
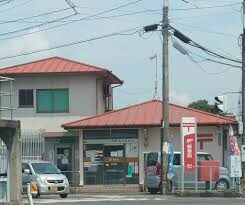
x=34 y=16
x=13 y=7
x=190 y=42
x=73 y=43
x=205 y=7
x=77 y=20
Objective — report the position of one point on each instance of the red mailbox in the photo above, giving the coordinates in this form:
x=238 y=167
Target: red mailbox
x=208 y=169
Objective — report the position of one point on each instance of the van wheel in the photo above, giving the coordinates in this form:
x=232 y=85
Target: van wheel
x=153 y=190
x=222 y=185
x=63 y=195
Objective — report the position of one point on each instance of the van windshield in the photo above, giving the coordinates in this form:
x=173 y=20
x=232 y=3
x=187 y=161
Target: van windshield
x=45 y=168
x=204 y=157
x=152 y=158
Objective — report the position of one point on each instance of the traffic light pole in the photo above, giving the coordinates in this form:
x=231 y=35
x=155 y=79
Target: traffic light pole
x=165 y=98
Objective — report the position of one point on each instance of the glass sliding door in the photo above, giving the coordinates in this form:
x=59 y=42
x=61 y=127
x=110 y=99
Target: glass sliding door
x=93 y=164
x=114 y=165
x=111 y=156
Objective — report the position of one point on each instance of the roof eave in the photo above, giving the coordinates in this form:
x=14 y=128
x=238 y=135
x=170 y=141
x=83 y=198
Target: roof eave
x=140 y=125
x=110 y=126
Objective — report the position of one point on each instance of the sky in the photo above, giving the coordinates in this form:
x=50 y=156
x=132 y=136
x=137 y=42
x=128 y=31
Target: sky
x=215 y=24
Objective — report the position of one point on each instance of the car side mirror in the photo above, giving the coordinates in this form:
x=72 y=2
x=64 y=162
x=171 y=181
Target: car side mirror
x=27 y=171
x=59 y=172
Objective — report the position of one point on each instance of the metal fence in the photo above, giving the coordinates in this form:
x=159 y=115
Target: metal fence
x=3 y=172
x=6 y=96
x=32 y=144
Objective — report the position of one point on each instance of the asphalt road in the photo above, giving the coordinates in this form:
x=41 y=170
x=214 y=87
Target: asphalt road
x=135 y=199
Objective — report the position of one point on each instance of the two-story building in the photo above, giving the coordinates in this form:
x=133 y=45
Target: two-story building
x=52 y=91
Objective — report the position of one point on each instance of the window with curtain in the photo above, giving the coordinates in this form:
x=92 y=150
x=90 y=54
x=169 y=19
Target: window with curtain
x=52 y=101
x=25 y=98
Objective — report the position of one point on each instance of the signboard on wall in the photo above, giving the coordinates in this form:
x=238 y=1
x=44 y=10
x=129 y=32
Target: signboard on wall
x=188 y=143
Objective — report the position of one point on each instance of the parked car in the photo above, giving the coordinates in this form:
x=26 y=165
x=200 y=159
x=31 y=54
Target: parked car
x=47 y=176
x=153 y=172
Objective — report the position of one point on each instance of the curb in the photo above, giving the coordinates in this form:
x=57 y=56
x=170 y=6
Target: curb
x=209 y=194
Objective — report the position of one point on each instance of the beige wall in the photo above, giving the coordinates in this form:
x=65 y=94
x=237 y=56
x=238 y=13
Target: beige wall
x=83 y=100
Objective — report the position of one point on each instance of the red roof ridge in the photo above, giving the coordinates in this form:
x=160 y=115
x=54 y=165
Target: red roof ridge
x=53 y=57
x=113 y=111
x=204 y=112
x=75 y=61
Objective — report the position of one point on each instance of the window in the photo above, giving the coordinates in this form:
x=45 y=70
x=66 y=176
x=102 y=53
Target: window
x=177 y=160
x=204 y=157
x=55 y=100
x=26 y=98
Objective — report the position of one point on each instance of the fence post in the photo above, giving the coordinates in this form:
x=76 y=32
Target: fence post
x=196 y=178
x=210 y=181
x=29 y=194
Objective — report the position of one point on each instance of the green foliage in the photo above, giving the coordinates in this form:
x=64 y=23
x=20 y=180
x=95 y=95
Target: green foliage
x=204 y=106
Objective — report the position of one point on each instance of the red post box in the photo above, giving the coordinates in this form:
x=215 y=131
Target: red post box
x=208 y=170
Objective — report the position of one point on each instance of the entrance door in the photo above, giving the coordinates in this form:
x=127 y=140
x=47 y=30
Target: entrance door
x=114 y=165
x=64 y=160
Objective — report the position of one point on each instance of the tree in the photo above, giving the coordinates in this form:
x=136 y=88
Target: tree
x=204 y=106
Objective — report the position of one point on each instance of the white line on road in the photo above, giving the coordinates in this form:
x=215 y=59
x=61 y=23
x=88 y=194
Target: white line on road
x=97 y=198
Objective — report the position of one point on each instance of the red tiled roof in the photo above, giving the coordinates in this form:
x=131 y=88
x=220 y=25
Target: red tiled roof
x=147 y=114
x=57 y=65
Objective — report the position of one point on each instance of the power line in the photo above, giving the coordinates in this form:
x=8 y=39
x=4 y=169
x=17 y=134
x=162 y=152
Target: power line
x=18 y=5
x=34 y=16
x=188 y=53
x=206 y=30
x=36 y=26
x=196 y=16
x=6 y=2
x=201 y=67
x=205 y=7
x=97 y=18
x=73 y=43
x=190 y=42
x=77 y=20
x=43 y=24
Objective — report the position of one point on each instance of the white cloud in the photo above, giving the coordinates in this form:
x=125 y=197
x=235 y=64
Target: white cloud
x=26 y=43
x=179 y=98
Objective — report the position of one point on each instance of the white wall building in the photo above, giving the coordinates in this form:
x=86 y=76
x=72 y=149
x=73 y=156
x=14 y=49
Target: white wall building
x=52 y=91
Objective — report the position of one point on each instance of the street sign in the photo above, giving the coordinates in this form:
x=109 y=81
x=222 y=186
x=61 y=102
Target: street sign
x=188 y=142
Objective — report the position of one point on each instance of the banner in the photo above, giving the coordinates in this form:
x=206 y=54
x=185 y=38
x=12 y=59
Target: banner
x=188 y=142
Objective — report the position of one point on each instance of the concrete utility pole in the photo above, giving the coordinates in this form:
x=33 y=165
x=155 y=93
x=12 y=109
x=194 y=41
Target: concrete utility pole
x=243 y=91
x=165 y=98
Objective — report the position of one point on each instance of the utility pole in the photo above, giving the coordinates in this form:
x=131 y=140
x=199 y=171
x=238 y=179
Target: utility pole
x=165 y=98
x=243 y=91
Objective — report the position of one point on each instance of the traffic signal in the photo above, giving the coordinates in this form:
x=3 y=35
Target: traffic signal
x=221 y=100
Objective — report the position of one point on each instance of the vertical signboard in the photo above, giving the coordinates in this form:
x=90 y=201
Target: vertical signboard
x=188 y=142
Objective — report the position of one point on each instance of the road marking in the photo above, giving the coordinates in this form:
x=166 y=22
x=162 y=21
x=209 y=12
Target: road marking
x=97 y=198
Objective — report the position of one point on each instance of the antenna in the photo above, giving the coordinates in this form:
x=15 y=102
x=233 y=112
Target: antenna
x=156 y=86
